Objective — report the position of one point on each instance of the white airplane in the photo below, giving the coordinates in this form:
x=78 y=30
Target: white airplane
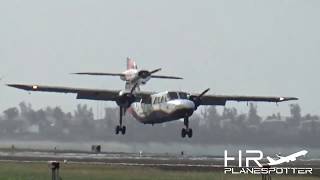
x=292 y=157
x=132 y=75
x=152 y=107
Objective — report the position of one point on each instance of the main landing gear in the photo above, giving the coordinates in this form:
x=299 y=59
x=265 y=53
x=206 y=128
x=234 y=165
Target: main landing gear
x=187 y=130
x=124 y=101
x=121 y=128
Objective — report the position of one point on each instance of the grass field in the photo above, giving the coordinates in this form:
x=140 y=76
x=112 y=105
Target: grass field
x=40 y=171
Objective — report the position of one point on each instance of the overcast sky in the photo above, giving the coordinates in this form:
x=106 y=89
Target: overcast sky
x=246 y=47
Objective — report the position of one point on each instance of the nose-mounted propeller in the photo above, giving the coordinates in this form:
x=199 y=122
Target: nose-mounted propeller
x=145 y=74
x=197 y=99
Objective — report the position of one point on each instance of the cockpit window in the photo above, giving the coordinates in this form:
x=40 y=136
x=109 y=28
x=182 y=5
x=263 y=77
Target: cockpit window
x=183 y=95
x=173 y=95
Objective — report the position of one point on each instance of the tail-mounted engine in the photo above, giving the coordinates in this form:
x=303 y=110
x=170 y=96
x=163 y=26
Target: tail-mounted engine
x=145 y=75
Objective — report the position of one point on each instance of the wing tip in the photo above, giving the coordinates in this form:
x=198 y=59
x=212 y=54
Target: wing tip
x=288 y=99
x=78 y=73
x=18 y=86
x=24 y=87
x=166 y=77
x=175 y=77
x=13 y=85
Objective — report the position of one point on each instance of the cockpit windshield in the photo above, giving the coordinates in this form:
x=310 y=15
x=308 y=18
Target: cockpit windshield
x=173 y=95
x=183 y=95
x=177 y=95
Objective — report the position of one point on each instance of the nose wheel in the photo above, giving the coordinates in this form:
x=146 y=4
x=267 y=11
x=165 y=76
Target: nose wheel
x=121 y=128
x=186 y=131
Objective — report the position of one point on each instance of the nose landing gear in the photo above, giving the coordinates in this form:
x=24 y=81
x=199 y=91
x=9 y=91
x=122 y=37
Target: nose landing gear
x=186 y=131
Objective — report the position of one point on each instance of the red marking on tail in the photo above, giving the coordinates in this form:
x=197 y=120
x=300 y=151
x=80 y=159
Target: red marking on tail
x=131 y=64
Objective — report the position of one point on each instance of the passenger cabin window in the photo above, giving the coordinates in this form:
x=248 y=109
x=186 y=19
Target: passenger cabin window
x=158 y=100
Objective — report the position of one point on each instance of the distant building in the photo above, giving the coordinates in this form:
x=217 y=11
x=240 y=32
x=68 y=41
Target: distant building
x=33 y=129
x=311 y=126
x=273 y=125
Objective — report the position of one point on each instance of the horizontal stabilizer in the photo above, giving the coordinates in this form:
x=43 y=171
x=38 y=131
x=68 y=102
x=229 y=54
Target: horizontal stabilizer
x=99 y=74
x=166 y=77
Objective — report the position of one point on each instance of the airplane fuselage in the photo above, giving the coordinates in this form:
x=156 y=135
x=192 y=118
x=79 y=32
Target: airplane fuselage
x=163 y=107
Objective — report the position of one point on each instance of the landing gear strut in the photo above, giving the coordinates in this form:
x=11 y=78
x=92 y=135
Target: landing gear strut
x=187 y=130
x=121 y=128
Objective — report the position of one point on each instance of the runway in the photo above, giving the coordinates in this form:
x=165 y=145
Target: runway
x=125 y=159
x=170 y=161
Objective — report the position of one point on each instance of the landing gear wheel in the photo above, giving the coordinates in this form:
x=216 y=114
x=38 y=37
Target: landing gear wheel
x=123 y=130
x=190 y=133
x=183 y=133
x=120 y=128
x=187 y=130
x=117 y=129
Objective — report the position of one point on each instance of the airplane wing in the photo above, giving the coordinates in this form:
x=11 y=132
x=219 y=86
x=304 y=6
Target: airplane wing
x=222 y=99
x=99 y=74
x=165 y=77
x=82 y=93
x=120 y=74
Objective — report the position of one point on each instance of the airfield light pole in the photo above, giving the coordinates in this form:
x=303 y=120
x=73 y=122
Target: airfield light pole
x=54 y=166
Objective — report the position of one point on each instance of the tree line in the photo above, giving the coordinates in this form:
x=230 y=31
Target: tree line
x=210 y=126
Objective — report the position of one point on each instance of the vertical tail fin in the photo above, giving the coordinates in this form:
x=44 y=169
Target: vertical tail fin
x=131 y=64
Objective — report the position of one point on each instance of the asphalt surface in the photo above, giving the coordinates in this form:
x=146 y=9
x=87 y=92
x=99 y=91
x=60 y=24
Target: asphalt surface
x=170 y=161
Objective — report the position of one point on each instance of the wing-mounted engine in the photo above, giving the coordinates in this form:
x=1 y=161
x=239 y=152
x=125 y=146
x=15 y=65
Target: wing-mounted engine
x=197 y=99
x=125 y=99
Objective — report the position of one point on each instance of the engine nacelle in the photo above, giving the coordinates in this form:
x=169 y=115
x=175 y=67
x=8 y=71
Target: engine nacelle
x=143 y=74
x=125 y=99
x=143 y=81
x=196 y=100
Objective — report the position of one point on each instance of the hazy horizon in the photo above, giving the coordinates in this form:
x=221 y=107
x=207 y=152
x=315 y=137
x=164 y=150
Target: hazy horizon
x=233 y=47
